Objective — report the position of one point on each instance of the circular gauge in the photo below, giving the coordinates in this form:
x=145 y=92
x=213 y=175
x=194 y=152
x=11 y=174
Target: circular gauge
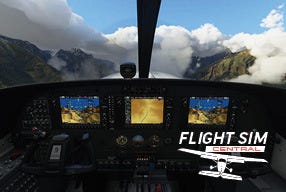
x=121 y=140
x=154 y=141
x=138 y=140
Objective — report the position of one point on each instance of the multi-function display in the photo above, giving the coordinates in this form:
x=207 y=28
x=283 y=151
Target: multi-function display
x=144 y=110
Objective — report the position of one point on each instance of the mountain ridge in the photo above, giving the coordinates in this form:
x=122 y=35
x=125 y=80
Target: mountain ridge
x=22 y=62
x=19 y=66
x=43 y=54
x=232 y=66
x=200 y=62
x=81 y=65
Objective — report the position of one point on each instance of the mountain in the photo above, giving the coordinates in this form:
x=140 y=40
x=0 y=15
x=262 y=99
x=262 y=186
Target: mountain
x=231 y=66
x=45 y=55
x=80 y=65
x=200 y=62
x=23 y=63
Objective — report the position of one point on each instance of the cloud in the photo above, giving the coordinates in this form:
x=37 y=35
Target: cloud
x=275 y=19
x=268 y=48
x=265 y=70
x=173 y=46
x=172 y=50
x=45 y=12
x=270 y=52
x=237 y=42
x=125 y=37
x=50 y=24
x=207 y=40
x=280 y=6
x=88 y=70
x=57 y=63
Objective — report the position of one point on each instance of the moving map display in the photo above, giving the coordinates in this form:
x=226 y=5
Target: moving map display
x=80 y=110
x=208 y=110
x=144 y=110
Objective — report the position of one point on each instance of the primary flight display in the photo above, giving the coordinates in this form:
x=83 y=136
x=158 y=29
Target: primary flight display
x=80 y=110
x=208 y=110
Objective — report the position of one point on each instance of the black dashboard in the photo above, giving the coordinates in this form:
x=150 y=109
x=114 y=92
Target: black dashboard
x=129 y=123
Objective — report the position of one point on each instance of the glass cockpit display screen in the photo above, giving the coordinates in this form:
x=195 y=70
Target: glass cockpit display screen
x=80 y=110
x=144 y=110
x=208 y=110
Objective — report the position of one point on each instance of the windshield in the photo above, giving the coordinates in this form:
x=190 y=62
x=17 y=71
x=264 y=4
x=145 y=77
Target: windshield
x=63 y=40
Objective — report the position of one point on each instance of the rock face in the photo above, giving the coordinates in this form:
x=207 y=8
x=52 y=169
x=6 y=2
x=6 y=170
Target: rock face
x=45 y=55
x=201 y=62
x=80 y=65
x=233 y=65
x=20 y=64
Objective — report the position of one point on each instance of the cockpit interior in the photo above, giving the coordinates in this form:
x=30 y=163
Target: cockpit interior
x=124 y=134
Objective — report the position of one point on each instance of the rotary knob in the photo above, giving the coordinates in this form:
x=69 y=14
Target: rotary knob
x=121 y=140
x=154 y=141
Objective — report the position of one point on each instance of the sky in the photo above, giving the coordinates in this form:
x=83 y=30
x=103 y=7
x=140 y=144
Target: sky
x=230 y=16
x=186 y=28
x=208 y=103
x=79 y=103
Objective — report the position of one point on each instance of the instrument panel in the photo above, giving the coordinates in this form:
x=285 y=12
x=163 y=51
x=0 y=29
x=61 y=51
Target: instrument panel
x=129 y=112
x=140 y=115
x=142 y=120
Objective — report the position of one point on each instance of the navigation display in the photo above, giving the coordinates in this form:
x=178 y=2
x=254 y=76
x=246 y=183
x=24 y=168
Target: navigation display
x=80 y=110
x=144 y=110
x=208 y=110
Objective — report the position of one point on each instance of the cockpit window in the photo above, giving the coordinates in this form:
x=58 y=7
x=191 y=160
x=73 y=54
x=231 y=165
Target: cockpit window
x=62 y=40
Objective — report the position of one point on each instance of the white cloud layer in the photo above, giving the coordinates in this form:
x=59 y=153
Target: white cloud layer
x=207 y=40
x=173 y=45
x=172 y=50
x=269 y=48
x=47 y=23
x=270 y=52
